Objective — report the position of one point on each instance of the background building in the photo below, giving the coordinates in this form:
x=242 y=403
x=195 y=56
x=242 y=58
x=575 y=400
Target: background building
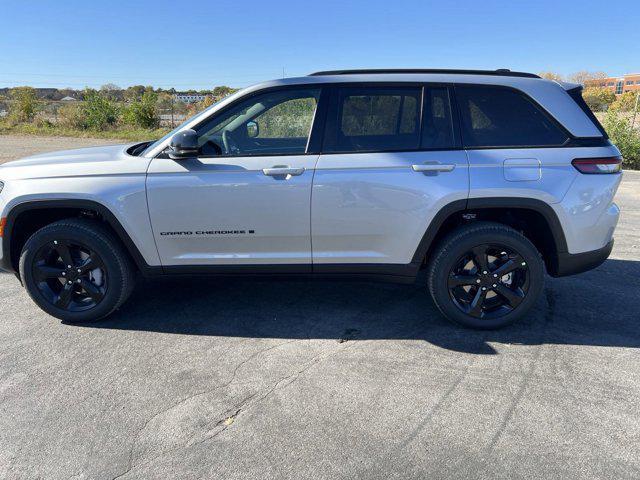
x=626 y=83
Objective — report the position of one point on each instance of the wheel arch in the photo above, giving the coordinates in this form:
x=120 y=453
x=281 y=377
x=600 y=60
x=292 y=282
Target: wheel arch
x=533 y=217
x=25 y=218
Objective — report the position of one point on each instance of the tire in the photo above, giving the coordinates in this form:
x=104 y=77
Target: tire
x=100 y=279
x=485 y=298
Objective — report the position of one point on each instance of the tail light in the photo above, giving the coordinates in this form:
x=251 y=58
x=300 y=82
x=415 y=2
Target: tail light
x=3 y=223
x=598 y=165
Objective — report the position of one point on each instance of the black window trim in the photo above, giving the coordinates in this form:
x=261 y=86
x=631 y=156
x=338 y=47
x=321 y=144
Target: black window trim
x=328 y=92
x=422 y=86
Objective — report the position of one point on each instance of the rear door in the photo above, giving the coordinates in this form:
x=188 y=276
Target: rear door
x=391 y=158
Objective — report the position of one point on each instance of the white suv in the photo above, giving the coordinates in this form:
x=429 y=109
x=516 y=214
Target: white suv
x=482 y=178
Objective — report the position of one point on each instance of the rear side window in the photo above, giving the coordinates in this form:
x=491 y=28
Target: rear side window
x=366 y=119
x=378 y=119
x=502 y=117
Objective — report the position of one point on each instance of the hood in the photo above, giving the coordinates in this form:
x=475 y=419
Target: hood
x=104 y=160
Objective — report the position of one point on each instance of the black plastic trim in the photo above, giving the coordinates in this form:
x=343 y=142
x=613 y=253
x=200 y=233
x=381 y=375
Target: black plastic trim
x=529 y=203
x=572 y=263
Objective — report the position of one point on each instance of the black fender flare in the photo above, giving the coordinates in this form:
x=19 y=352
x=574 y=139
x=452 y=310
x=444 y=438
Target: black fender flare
x=89 y=205
x=482 y=203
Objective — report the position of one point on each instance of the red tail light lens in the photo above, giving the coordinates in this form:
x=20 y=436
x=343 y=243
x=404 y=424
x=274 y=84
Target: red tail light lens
x=598 y=165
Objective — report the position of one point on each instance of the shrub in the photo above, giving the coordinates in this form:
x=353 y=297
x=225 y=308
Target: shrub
x=626 y=138
x=625 y=102
x=143 y=112
x=598 y=99
x=25 y=104
x=72 y=115
x=99 y=112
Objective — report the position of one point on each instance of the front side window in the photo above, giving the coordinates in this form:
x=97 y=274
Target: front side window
x=502 y=117
x=366 y=119
x=272 y=123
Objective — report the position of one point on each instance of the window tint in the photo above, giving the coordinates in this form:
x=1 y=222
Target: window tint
x=374 y=119
x=273 y=123
x=437 y=126
x=501 y=117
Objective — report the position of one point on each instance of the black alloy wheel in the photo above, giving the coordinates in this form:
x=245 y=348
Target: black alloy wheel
x=69 y=275
x=489 y=281
x=485 y=275
x=76 y=270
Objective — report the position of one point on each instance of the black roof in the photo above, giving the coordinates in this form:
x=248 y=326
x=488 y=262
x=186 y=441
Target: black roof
x=501 y=72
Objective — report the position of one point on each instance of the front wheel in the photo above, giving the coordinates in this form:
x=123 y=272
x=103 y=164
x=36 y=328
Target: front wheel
x=76 y=270
x=485 y=276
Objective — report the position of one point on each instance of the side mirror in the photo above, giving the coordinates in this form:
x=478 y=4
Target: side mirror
x=184 y=145
x=253 y=130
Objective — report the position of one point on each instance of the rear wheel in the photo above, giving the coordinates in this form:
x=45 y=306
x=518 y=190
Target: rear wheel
x=485 y=275
x=76 y=270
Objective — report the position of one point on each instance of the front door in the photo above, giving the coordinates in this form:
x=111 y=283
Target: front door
x=246 y=199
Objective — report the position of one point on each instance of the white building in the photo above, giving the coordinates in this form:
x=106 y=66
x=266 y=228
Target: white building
x=188 y=97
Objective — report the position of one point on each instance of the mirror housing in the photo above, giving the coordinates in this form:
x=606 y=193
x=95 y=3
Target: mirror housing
x=253 y=130
x=184 y=145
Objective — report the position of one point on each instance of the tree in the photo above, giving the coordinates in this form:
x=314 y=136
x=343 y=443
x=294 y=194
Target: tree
x=133 y=93
x=25 y=103
x=223 y=91
x=583 y=76
x=111 y=90
x=598 y=99
x=551 y=76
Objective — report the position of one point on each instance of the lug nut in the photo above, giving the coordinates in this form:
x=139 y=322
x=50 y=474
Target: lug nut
x=69 y=282
x=495 y=275
x=524 y=263
x=78 y=281
x=68 y=266
x=79 y=271
x=484 y=272
x=494 y=285
x=64 y=274
x=478 y=281
x=55 y=242
x=484 y=288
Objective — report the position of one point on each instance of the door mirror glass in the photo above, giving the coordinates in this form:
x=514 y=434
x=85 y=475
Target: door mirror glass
x=253 y=130
x=184 y=145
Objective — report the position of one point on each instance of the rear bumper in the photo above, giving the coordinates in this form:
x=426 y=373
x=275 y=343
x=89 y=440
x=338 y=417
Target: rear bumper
x=572 y=263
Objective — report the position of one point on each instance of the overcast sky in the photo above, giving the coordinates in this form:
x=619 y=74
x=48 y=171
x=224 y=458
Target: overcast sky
x=200 y=44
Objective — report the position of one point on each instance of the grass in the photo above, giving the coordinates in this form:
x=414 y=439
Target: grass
x=118 y=133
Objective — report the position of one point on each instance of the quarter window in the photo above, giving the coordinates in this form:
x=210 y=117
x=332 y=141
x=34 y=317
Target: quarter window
x=502 y=117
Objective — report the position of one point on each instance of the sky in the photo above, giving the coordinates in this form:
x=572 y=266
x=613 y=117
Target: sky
x=200 y=44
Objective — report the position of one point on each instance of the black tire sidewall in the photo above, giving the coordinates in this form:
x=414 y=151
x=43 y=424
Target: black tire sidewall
x=455 y=246
x=94 y=239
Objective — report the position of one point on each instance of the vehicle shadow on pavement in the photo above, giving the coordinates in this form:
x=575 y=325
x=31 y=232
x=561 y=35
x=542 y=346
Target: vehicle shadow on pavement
x=597 y=308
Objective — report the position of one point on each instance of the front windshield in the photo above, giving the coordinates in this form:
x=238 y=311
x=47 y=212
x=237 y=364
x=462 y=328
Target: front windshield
x=180 y=127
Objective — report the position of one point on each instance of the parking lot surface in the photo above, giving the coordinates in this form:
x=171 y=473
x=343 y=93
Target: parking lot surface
x=295 y=379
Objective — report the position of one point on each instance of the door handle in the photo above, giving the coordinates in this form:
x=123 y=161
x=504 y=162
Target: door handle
x=433 y=167
x=282 y=170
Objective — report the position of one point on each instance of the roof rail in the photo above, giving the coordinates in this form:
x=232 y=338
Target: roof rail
x=501 y=72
